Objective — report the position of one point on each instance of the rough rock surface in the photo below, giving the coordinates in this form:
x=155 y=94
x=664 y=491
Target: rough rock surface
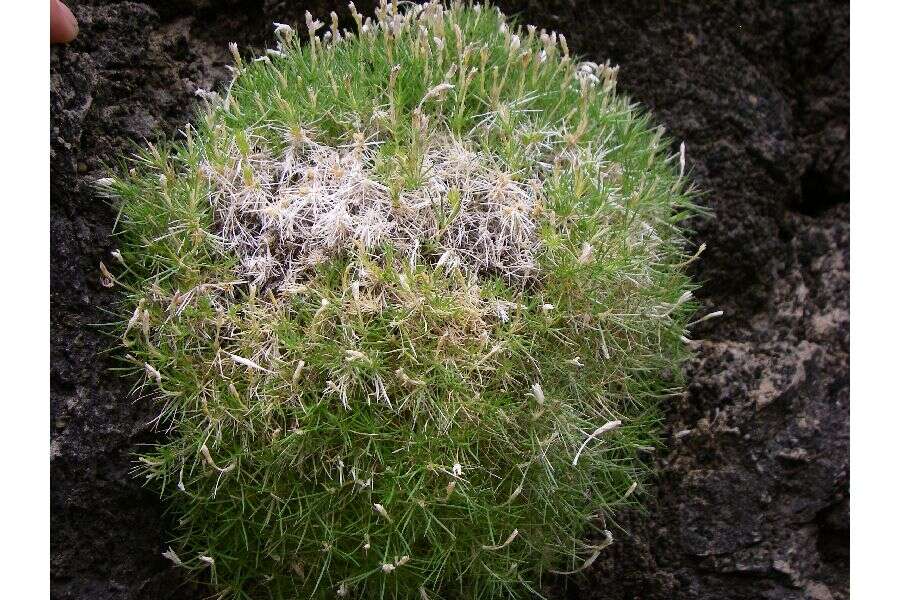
x=752 y=499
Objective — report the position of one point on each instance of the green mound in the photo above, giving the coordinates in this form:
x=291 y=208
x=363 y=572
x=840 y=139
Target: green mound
x=409 y=299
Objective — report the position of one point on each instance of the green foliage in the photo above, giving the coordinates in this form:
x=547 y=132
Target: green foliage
x=379 y=420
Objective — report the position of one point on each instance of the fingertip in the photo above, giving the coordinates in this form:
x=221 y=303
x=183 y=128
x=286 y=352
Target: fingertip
x=63 y=24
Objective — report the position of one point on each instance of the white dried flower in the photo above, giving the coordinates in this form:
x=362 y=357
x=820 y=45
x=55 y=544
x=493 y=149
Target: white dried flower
x=501 y=312
x=312 y=25
x=597 y=433
x=353 y=355
x=381 y=511
x=713 y=315
x=171 y=555
x=436 y=91
x=207 y=457
x=631 y=489
x=282 y=29
x=684 y=298
x=247 y=362
x=236 y=55
x=151 y=372
x=206 y=95
x=508 y=541
x=106 y=278
x=297 y=371
x=587 y=254
x=538 y=392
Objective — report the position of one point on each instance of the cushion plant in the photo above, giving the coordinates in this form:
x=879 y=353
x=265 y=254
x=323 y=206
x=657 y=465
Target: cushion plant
x=409 y=298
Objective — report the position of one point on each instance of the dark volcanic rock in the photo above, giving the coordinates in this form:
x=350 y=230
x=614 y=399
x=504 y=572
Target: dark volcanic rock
x=752 y=499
